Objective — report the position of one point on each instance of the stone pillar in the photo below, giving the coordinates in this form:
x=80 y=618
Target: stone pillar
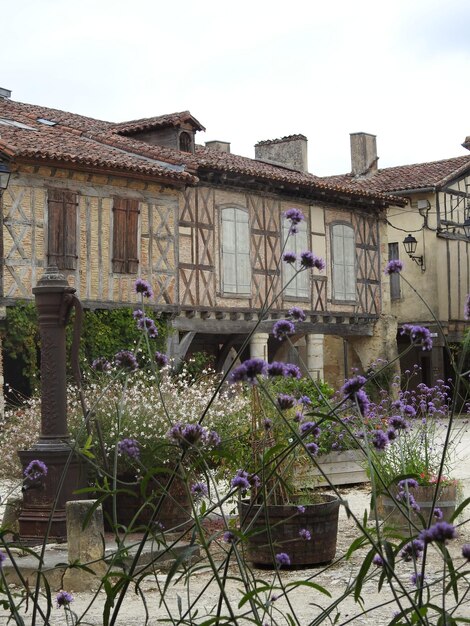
x=259 y=346
x=315 y=356
x=85 y=537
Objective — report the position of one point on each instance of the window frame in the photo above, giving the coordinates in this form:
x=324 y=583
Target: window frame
x=335 y=298
x=125 y=251
x=242 y=290
x=62 y=228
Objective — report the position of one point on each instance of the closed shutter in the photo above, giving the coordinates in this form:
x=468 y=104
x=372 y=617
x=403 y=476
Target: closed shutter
x=299 y=287
x=125 y=234
x=236 y=266
x=344 y=262
x=395 y=277
x=62 y=228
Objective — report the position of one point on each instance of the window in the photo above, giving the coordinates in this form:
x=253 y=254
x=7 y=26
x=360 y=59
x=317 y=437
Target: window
x=126 y=219
x=394 y=278
x=62 y=229
x=236 y=266
x=344 y=263
x=185 y=142
x=297 y=287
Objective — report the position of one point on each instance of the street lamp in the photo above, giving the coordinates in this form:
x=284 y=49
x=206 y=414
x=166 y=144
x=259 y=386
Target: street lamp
x=410 y=244
x=4 y=176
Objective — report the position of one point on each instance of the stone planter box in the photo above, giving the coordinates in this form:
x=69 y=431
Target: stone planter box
x=342 y=468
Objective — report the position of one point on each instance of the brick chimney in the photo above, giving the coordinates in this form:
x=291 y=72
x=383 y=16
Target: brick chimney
x=221 y=146
x=289 y=151
x=363 y=154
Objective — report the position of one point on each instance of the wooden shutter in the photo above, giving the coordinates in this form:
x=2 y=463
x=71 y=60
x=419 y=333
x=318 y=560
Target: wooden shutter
x=236 y=266
x=344 y=262
x=299 y=287
x=125 y=236
x=62 y=228
x=395 y=277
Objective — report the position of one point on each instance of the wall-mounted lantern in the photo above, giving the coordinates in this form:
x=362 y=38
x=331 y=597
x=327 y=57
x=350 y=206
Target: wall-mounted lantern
x=410 y=244
x=4 y=177
x=466 y=224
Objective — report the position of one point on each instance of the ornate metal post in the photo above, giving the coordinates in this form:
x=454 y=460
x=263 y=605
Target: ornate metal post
x=45 y=495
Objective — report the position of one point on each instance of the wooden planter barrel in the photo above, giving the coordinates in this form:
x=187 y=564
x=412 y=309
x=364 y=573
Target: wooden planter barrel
x=285 y=523
x=342 y=468
x=174 y=513
x=393 y=516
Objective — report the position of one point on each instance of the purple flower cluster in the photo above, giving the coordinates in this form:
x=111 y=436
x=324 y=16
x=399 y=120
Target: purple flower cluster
x=2 y=558
x=352 y=386
x=63 y=598
x=297 y=314
x=193 y=436
x=199 y=490
x=394 y=266
x=282 y=559
x=125 y=359
x=412 y=550
x=244 y=480
x=143 y=287
x=161 y=360
x=308 y=260
x=378 y=560
x=294 y=216
x=418 y=334
x=249 y=371
x=289 y=257
x=35 y=470
x=309 y=427
x=285 y=401
x=282 y=328
x=228 y=537
x=129 y=447
x=147 y=324
x=466 y=310
x=466 y=551
x=305 y=534
x=440 y=533
x=408 y=499
x=417 y=579
x=101 y=365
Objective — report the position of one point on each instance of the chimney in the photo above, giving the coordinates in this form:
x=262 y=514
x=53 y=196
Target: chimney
x=363 y=154
x=289 y=151
x=5 y=93
x=221 y=146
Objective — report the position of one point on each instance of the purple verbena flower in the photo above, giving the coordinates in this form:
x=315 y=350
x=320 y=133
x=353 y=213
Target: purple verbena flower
x=379 y=439
x=161 y=360
x=295 y=216
x=305 y=534
x=63 y=598
x=466 y=551
x=412 y=550
x=282 y=559
x=129 y=447
x=275 y=369
x=282 y=328
x=352 y=386
x=417 y=579
x=398 y=422
x=289 y=257
x=240 y=480
x=188 y=435
x=199 y=490
x=440 y=532
x=101 y=364
x=125 y=359
x=362 y=402
x=378 y=560
x=228 y=537
x=300 y=508
x=304 y=400
x=409 y=411
x=249 y=371
x=4 y=556
x=466 y=309
x=438 y=514
x=212 y=438
x=411 y=483
x=267 y=423
x=147 y=324
x=308 y=260
x=292 y=371
x=391 y=434
x=143 y=287
x=297 y=314
x=394 y=266
x=138 y=314
x=312 y=448
x=418 y=334
x=285 y=401
x=309 y=427
x=35 y=470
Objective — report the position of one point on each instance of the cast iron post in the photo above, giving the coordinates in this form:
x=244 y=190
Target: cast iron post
x=44 y=498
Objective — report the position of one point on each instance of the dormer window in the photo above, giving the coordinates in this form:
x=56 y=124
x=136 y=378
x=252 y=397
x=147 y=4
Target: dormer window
x=185 y=142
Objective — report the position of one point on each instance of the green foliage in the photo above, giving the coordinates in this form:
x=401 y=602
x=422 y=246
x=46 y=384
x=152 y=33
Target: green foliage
x=304 y=386
x=21 y=339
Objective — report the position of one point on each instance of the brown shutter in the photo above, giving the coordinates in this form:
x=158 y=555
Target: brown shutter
x=126 y=218
x=62 y=228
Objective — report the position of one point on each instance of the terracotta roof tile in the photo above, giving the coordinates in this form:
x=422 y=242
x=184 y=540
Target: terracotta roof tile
x=171 y=119
x=405 y=177
x=96 y=143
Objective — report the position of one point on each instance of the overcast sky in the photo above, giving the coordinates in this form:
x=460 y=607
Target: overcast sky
x=254 y=70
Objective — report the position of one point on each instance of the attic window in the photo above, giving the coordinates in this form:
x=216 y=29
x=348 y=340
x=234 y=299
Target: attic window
x=43 y=120
x=185 y=142
x=6 y=122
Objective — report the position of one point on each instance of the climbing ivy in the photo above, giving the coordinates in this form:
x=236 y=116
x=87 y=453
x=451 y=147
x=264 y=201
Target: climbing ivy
x=104 y=333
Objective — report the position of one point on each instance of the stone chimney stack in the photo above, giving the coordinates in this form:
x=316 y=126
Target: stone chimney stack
x=289 y=151
x=221 y=146
x=363 y=154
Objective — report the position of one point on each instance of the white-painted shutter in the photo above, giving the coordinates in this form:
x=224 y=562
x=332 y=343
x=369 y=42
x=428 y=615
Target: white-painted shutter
x=299 y=287
x=236 y=266
x=344 y=262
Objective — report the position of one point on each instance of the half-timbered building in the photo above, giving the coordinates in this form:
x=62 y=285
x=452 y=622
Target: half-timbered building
x=435 y=227
x=108 y=202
